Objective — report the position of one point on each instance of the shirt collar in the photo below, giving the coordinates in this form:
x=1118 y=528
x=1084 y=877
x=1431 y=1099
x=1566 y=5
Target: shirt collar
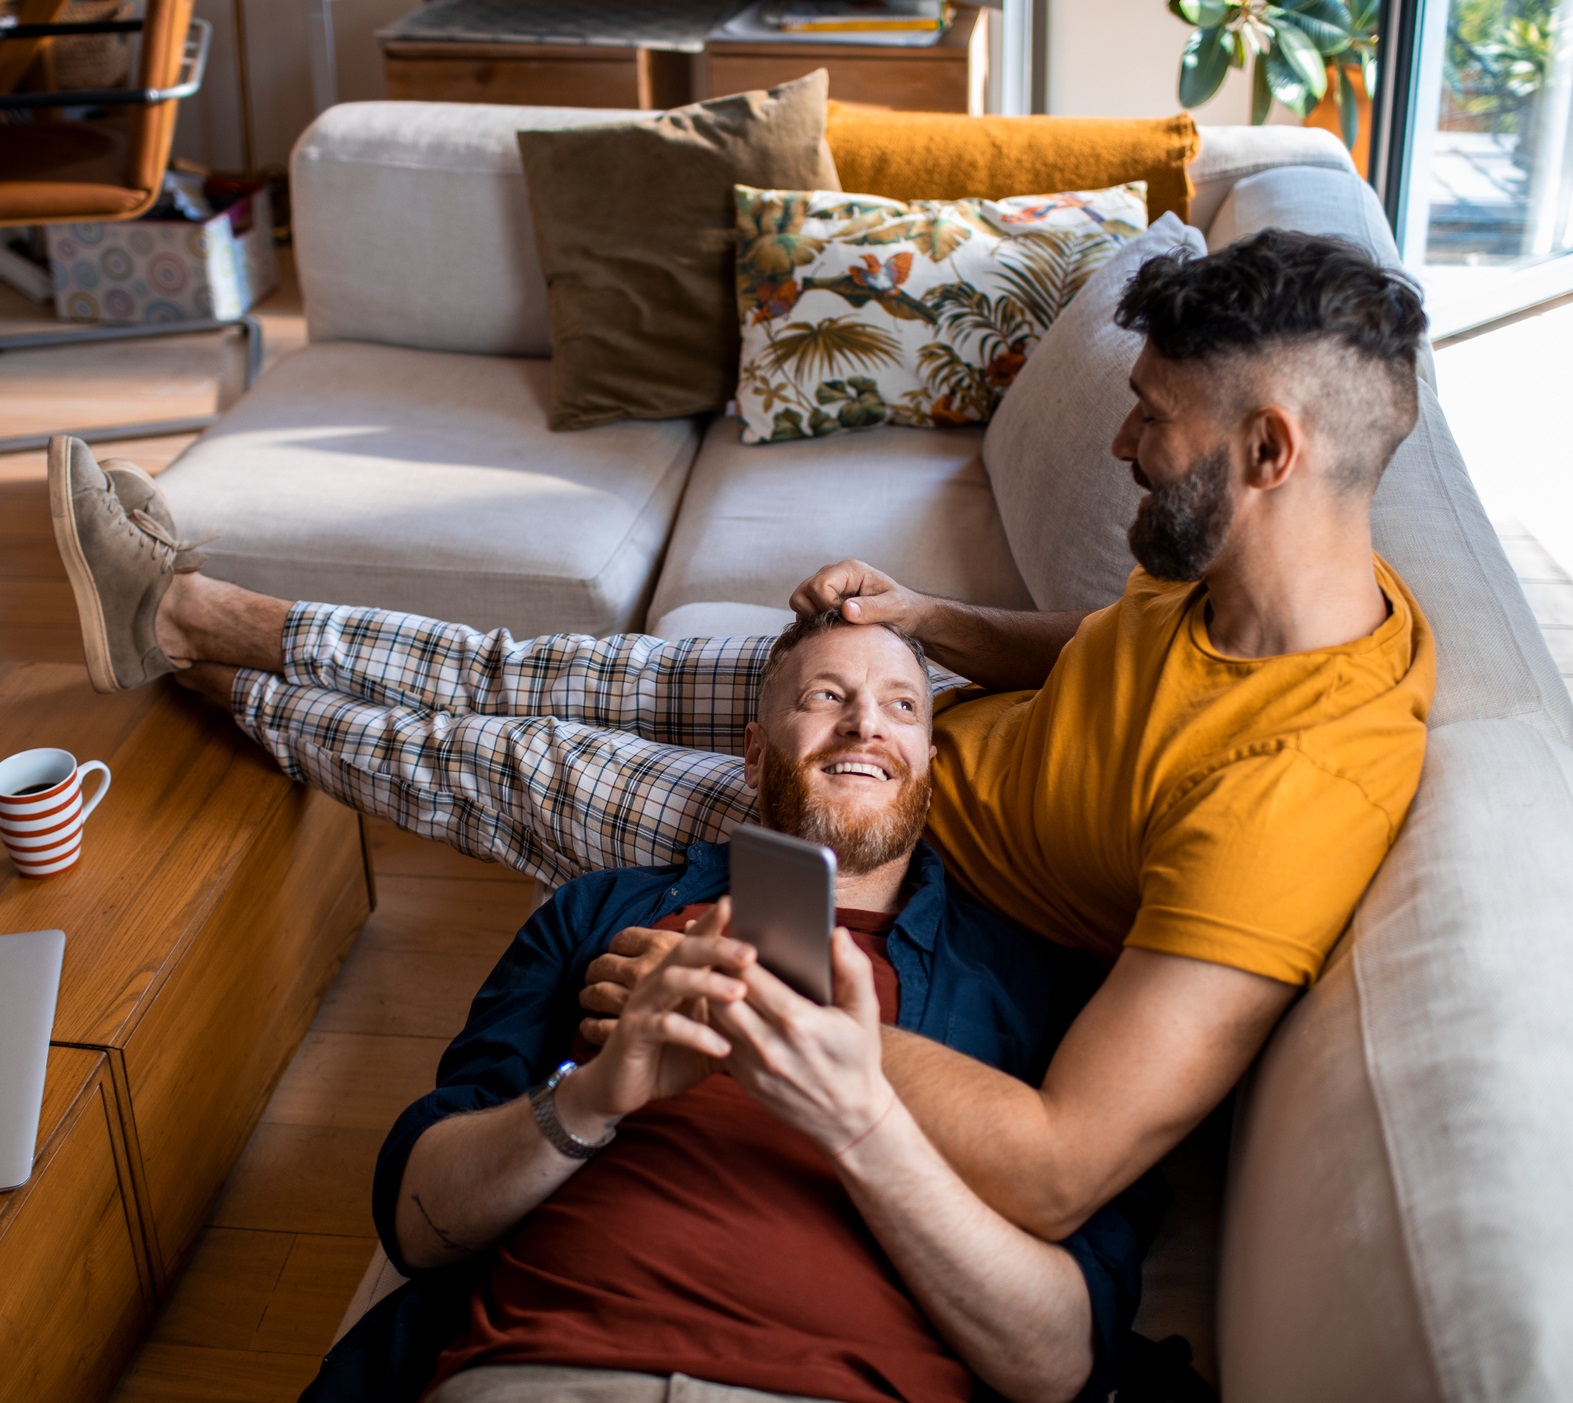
x=918 y=920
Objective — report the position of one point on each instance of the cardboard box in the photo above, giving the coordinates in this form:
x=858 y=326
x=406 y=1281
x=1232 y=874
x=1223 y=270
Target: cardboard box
x=166 y=270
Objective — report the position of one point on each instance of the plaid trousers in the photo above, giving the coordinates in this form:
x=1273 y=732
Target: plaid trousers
x=557 y=755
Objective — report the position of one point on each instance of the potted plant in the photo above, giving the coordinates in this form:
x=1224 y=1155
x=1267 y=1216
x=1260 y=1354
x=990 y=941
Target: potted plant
x=1300 y=51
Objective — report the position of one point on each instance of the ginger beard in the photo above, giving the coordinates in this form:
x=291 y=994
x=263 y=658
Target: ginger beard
x=1181 y=526
x=862 y=839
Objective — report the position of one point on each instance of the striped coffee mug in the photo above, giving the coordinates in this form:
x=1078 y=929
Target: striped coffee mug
x=41 y=809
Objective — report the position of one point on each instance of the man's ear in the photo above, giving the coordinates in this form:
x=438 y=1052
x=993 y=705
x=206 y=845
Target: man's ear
x=1275 y=448
x=753 y=754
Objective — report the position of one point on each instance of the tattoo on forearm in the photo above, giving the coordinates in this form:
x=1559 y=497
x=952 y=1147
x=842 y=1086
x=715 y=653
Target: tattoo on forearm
x=452 y=1244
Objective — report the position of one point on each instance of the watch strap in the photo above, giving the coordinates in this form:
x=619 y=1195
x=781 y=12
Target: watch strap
x=543 y=1102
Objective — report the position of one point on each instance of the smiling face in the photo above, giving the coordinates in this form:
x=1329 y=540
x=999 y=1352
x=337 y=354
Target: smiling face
x=840 y=753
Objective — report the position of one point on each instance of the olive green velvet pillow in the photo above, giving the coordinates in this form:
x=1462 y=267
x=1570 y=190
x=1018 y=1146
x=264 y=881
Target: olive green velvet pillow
x=636 y=228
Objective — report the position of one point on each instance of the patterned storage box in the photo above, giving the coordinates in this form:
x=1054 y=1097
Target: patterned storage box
x=165 y=270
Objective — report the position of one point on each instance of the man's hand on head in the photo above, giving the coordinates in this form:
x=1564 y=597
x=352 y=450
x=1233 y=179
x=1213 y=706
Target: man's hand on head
x=863 y=594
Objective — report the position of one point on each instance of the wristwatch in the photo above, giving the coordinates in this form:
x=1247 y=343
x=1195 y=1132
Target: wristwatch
x=543 y=1101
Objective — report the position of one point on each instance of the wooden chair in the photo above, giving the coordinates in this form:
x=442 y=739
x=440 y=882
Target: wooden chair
x=106 y=166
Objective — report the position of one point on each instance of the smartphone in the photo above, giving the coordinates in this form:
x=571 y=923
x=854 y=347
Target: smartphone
x=784 y=904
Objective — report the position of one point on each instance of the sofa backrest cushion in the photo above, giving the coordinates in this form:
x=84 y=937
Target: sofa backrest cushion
x=1428 y=522
x=1065 y=499
x=412 y=225
x=1315 y=200
x=946 y=156
x=1230 y=154
x=1398 y=1223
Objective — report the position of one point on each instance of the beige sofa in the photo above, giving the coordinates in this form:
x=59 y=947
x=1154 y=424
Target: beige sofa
x=1394 y=1221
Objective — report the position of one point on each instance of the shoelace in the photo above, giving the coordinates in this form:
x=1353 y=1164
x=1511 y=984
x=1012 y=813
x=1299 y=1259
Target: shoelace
x=165 y=546
x=149 y=534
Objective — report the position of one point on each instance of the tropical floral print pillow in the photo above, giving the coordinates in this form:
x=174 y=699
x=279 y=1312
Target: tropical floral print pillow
x=858 y=310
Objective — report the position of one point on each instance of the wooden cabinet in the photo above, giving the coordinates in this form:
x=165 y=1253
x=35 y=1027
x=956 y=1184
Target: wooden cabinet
x=75 y=1290
x=210 y=910
x=946 y=77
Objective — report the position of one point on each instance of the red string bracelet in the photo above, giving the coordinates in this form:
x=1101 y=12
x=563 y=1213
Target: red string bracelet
x=879 y=1120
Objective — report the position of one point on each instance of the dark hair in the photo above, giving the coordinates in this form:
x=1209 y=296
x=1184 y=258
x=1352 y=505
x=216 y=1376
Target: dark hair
x=800 y=630
x=1280 y=292
x=1278 y=285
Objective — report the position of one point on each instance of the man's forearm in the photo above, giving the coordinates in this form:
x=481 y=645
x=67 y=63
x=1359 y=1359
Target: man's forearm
x=1015 y=1309
x=472 y=1178
x=1005 y=650
x=992 y=1129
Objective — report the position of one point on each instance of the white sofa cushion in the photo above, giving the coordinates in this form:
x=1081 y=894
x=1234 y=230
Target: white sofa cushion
x=1399 y=1225
x=914 y=502
x=1230 y=154
x=1064 y=497
x=1428 y=522
x=428 y=481
x=1330 y=202
x=412 y=225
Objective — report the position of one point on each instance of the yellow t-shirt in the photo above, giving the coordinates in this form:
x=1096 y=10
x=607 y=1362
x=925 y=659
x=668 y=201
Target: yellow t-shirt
x=1158 y=794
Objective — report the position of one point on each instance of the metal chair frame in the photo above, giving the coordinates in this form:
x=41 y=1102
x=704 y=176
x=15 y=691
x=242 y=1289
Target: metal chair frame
x=193 y=66
x=199 y=38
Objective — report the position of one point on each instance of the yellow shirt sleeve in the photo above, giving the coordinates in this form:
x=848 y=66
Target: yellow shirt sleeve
x=1259 y=865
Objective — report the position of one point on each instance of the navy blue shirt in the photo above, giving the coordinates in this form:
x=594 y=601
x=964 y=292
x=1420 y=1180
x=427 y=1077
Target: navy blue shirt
x=969 y=979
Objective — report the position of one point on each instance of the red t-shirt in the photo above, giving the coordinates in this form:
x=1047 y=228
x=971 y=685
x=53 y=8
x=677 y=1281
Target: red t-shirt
x=710 y=1239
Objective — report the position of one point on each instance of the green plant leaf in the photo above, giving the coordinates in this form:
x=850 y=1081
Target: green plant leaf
x=1348 y=109
x=1204 y=14
x=1368 y=71
x=1204 y=65
x=1324 y=22
x=1288 y=80
x=1303 y=57
x=1261 y=93
x=1363 y=18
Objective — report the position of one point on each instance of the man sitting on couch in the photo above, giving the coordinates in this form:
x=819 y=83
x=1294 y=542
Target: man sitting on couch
x=1195 y=784
x=788 y=1228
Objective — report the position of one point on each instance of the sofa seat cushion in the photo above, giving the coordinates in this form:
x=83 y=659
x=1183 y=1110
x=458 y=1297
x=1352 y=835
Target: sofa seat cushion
x=1398 y=1224
x=428 y=481
x=913 y=502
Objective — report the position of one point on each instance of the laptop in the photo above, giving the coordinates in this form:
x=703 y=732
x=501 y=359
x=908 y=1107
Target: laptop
x=29 y=981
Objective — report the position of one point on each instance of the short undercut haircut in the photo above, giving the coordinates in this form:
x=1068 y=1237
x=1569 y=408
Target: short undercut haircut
x=1339 y=325
x=801 y=629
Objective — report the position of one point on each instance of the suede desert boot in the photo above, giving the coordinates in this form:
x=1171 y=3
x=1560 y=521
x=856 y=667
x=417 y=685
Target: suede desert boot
x=120 y=555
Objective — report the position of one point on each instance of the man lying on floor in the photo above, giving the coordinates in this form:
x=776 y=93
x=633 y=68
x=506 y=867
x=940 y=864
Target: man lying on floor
x=782 y=1228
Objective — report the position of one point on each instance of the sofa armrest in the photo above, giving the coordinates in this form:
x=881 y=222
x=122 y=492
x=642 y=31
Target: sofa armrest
x=412 y=225
x=1230 y=154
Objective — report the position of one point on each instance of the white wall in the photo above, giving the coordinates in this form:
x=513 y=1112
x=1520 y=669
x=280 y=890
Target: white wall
x=209 y=129
x=1121 y=58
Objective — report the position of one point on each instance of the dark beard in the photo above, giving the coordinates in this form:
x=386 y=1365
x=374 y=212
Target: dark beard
x=862 y=844
x=1181 y=527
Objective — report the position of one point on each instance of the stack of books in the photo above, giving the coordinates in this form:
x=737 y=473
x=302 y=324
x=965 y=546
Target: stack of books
x=898 y=22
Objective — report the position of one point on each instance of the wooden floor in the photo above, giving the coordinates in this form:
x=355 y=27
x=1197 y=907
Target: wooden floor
x=287 y=1242
x=258 y=1304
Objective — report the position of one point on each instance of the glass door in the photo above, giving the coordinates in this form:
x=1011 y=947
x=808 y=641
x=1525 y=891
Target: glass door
x=1482 y=211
